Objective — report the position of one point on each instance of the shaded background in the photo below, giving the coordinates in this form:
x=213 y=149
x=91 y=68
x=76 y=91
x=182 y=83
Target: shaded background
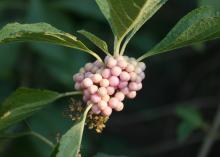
x=149 y=126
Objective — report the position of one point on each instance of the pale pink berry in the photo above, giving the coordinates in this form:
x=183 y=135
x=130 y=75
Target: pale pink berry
x=95 y=98
x=96 y=78
x=98 y=63
x=77 y=86
x=142 y=75
x=78 y=77
x=111 y=62
x=133 y=76
x=106 y=73
x=87 y=82
x=88 y=75
x=86 y=93
x=116 y=71
x=93 y=89
x=107 y=111
x=88 y=66
x=138 y=70
x=142 y=65
x=102 y=91
x=104 y=83
x=120 y=96
x=130 y=68
x=139 y=87
x=113 y=102
x=110 y=90
x=95 y=109
x=132 y=94
x=133 y=86
x=119 y=107
x=113 y=81
x=106 y=98
x=124 y=76
x=122 y=64
x=94 y=69
x=125 y=90
x=138 y=79
x=102 y=105
x=122 y=84
x=106 y=59
x=133 y=61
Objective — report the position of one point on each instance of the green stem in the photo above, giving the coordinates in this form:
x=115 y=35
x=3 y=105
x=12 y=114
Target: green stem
x=29 y=133
x=70 y=94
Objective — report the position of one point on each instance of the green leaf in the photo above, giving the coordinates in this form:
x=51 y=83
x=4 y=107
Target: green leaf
x=190 y=115
x=69 y=145
x=42 y=32
x=184 y=130
x=23 y=103
x=105 y=155
x=199 y=25
x=214 y=3
x=95 y=40
x=127 y=16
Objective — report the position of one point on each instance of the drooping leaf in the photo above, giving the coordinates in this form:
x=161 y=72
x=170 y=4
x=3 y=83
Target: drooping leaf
x=42 y=32
x=126 y=16
x=70 y=143
x=95 y=40
x=199 y=25
x=106 y=155
x=23 y=103
x=190 y=115
x=184 y=130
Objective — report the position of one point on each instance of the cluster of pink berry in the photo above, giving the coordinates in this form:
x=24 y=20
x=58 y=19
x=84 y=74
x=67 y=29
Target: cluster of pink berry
x=106 y=85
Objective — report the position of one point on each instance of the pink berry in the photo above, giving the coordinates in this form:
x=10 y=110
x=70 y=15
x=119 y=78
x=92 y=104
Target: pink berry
x=88 y=75
x=85 y=98
x=110 y=90
x=95 y=98
x=102 y=105
x=130 y=68
x=133 y=76
x=102 y=91
x=122 y=84
x=122 y=64
x=125 y=90
x=96 y=78
x=131 y=94
x=120 y=96
x=98 y=63
x=119 y=107
x=87 y=82
x=116 y=71
x=113 y=81
x=111 y=62
x=142 y=75
x=113 y=102
x=94 y=69
x=82 y=70
x=95 y=109
x=142 y=65
x=88 y=66
x=86 y=93
x=133 y=86
x=138 y=79
x=106 y=98
x=107 y=111
x=93 y=89
x=104 y=83
x=124 y=76
x=138 y=70
x=106 y=73
x=78 y=77
x=106 y=59
x=139 y=86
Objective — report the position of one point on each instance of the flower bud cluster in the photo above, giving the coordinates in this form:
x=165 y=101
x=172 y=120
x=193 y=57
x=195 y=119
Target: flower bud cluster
x=106 y=85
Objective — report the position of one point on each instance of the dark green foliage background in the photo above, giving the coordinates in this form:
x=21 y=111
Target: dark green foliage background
x=148 y=125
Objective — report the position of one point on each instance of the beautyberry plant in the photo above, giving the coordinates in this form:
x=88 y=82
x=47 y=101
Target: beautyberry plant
x=103 y=83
